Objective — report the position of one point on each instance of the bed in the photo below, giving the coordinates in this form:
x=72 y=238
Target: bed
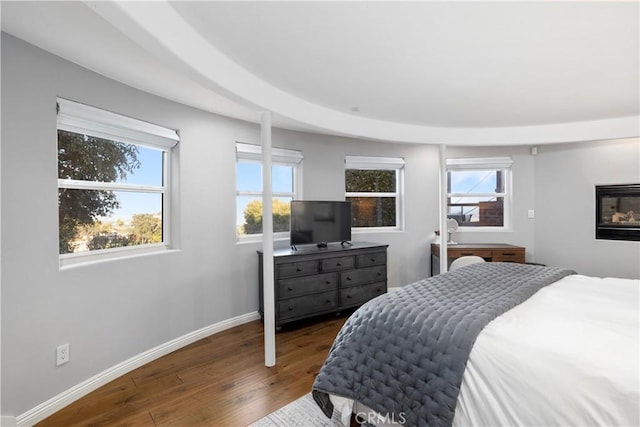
x=552 y=348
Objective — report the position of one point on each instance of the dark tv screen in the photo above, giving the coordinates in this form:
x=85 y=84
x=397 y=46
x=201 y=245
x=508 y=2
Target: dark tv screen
x=320 y=222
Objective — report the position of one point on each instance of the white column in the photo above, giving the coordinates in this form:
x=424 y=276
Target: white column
x=267 y=244
x=444 y=233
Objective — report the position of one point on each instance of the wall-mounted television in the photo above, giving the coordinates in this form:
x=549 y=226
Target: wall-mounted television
x=320 y=222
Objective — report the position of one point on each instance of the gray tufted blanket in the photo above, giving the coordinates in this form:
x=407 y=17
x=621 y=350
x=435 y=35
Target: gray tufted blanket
x=403 y=354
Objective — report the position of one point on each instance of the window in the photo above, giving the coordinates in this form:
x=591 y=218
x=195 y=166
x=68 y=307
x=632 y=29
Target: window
x=113 y=174
x=284 y=177
x=373 y=185
x=479 y=192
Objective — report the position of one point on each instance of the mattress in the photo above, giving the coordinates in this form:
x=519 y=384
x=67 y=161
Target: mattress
x=568 y=355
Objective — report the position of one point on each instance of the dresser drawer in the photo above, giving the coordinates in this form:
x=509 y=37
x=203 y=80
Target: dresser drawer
x=357 y=295
x=508 y=256
x=306 y=305
x=336 y=264
x=375 y=258
x=292 y=269
x=307 y=285
x=310 y=282
x=363 y=275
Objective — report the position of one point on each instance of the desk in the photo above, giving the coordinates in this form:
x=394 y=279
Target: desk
x=496 y=252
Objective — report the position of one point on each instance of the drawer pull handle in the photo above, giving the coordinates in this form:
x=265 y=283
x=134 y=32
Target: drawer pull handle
x=379 y=290
x=289 y=288
x=348 y=296
x=338 y=264
x=328 y=301
x=508 y=253
x=466 y=253
x=379 y=274
x=298 y=270
x=372 y=259
x=328 y=282
x=290 y=308
x=348 y=278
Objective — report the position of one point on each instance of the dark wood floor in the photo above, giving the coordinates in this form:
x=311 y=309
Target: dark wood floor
x=220 y=380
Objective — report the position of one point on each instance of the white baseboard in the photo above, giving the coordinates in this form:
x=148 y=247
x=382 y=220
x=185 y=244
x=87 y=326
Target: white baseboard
x=69 y=396
x=7 y=421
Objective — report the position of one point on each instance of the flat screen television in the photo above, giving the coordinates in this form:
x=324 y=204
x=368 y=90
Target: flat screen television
x=320 y=222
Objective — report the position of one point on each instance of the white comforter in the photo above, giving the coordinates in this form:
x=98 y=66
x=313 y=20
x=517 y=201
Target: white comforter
x=568 y=356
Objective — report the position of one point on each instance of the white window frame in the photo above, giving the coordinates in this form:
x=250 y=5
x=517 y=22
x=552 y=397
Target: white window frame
x=487 y=164
x=86 y=120
x=251 y=153
x=380 y=163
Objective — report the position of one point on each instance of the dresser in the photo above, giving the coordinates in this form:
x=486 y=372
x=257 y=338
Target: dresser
x=492 y=252
x=313 y=281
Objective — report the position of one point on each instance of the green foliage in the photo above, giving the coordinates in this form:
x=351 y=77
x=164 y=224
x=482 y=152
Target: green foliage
x=146 y=228
x=253 y=217
x=372 y=211
x=106 y=241
x=89 y=158
x=370 y=181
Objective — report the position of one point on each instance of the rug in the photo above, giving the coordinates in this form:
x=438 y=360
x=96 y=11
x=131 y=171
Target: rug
x=301 y=412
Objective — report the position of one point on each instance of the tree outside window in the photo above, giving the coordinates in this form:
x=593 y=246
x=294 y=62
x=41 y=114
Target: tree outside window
x=112 y=181
x=372 y=185
x=249 y=189
x=91 y=219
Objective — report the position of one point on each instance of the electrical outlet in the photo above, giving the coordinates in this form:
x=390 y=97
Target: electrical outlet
x=531 y=214
x=62 y=354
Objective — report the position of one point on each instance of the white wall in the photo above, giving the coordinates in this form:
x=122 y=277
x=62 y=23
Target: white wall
x=565 y=180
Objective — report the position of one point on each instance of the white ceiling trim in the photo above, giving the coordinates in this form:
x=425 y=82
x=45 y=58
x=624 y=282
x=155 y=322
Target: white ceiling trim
x=96 y=45
x=164 y=32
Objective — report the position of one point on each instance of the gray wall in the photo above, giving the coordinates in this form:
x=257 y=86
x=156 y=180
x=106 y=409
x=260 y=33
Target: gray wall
x=113 y=311
x=523 y=228
x=565 y=180
x=324 y=179
x=323 y=165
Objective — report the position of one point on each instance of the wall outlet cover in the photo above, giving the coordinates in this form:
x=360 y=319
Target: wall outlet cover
x=62 y=354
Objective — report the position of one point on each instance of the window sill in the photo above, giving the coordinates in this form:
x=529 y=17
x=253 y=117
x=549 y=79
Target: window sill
x=257 y=238
x=363 y=230
x=483 y=229
x=69 y=261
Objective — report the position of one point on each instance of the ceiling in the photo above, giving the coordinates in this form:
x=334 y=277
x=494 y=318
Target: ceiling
x=458 y=73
